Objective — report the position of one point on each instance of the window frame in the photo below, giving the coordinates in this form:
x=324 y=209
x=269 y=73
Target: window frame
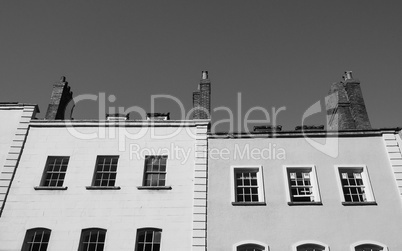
x=260 y=183
x=314 y=184
x=139 y=230
x=144 y=186
x=94 y=179
x=309 y=242
x=250 y=242
x=28 y=234
x=84 y=230
x=42 y=185
x=370 y=199
x=368 y=242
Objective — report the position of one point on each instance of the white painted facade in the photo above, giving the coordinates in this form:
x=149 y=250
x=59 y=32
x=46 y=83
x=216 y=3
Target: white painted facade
x=180 y=211
x=14 y=119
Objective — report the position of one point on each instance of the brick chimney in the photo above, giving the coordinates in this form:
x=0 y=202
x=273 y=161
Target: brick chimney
x=202 y=98
x=345 y=105
x=60 y=106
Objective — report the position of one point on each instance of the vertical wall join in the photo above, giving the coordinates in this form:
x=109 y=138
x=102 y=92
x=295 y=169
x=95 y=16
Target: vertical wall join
x=61 y=104
x=345 y=105
x=202 y=98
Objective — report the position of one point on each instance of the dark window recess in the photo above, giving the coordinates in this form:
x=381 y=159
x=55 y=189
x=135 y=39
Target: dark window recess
x=55 y=171
x=155 y=171
x=300 y=186
x=246 y=186
x=148 y=239
x=36 y=239
x=105 y=171
x=352 y=186
x=92 y=239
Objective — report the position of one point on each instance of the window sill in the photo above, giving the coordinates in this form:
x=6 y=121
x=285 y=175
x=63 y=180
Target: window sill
x=249 y=203
x=154 y=188
x=50 y=188
x=369 y=203
x=102 y=188
x=305 y=203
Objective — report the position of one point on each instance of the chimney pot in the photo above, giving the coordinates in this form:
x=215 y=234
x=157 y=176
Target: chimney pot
x=204 y=75
x=348 y=75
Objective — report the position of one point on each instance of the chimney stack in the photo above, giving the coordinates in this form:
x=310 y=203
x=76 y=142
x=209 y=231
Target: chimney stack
x=202 y=98
x=60 y=106
x=345 y=105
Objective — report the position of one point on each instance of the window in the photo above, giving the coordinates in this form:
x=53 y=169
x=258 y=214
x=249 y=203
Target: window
x=250 y=247
x=247 y=186
x=36 y=239
x=55 y=171
x=355 y=185
x=155 y=171
x=148 y=239
x=92 y=239
x=105 y=171
x=310 y=247
x=303 y=185
x=369 y=247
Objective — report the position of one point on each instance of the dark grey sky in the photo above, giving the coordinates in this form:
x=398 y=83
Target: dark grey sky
x=276 y=53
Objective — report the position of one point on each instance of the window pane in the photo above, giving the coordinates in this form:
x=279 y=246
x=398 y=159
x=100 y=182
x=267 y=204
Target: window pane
x=92 y=239
x=106 y=170
x=55 y=171
x=352 y=185
x=36 y=239
x=155 y=171
x=148 y=239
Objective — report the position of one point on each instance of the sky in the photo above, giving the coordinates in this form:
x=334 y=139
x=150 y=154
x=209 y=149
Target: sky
x=280 y=55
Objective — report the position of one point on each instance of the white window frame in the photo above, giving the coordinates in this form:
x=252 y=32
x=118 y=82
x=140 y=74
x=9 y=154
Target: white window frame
x=314 y=183
x=235 y=246
x=260 y=182
x=354 y=245
x=297 y=244
x=366 y=182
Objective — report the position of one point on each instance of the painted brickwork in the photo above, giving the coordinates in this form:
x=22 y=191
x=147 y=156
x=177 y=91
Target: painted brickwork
x=179 y=212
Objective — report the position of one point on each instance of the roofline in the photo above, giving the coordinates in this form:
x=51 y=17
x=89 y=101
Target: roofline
x=309 y=133
x=119 y=123
x=17 y=105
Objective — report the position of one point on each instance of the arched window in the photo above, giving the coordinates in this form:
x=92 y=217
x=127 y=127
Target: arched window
x=310 y=247
x=36 y=239
x=250 y=247
x=148 y=239
x=92 y=239
x=369 y=247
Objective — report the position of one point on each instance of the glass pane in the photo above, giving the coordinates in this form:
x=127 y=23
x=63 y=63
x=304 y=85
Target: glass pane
x=141 y=237
x=92 y=247
x=93 y=236
x=100 y=247
x=156 y=247
x=157 y=237
x=148 y=236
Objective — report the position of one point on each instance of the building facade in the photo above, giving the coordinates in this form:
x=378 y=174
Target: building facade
x=309 y=189
x=157 y=184
x=114 y=184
